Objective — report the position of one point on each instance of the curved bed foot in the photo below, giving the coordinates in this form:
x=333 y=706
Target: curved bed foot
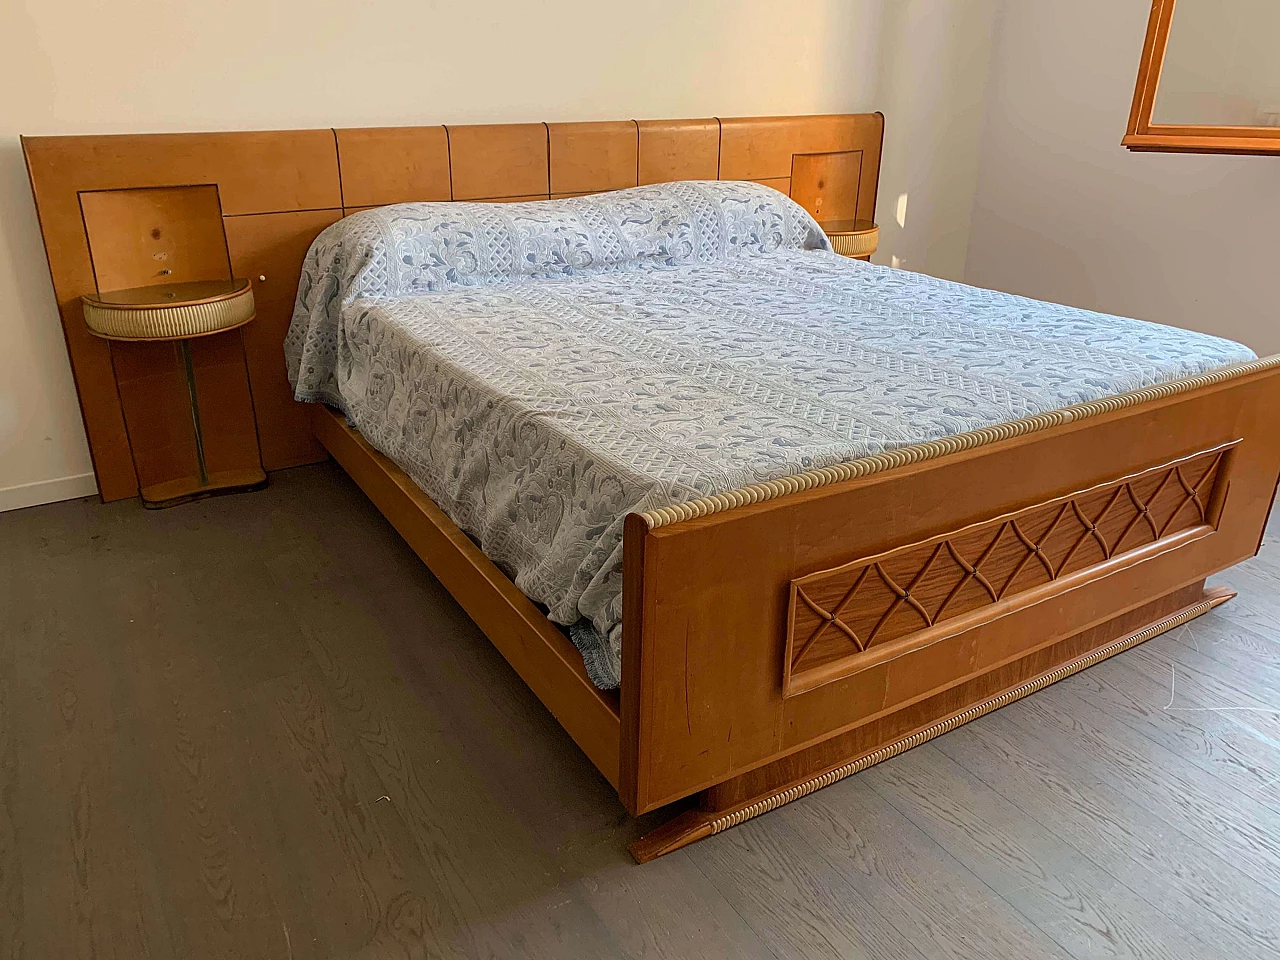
x=680 y=831
x=719 y=813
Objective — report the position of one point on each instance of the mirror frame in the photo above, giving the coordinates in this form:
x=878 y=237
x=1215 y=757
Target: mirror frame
x=1144 y=136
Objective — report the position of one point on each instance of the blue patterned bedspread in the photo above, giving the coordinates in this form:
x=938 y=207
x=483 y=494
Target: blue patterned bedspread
x=543 y=369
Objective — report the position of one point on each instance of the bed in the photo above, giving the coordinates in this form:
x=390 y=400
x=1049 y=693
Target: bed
x=548 y=372
x=755 y=627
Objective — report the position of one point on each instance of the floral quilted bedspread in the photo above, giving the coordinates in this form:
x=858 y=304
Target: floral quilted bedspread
x=543 y=369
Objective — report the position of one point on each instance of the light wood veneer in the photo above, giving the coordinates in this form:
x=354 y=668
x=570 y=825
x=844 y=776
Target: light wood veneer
x=119 y=211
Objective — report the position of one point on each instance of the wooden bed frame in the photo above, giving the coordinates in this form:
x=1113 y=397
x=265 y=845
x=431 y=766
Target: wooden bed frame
x=779 y=637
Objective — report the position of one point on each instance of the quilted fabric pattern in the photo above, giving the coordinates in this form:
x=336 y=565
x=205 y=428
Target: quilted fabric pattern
x=541 y=370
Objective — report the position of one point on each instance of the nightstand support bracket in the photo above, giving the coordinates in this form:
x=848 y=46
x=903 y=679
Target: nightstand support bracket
x=195 y=410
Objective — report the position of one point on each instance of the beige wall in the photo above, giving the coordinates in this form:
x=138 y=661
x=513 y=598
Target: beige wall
x=85 y=66
x=933 y=80
x=1063 y=213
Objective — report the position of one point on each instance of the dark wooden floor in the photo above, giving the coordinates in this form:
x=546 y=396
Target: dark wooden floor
x=257 y=727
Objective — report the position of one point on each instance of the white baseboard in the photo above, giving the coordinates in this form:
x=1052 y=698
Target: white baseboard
x=47 y=491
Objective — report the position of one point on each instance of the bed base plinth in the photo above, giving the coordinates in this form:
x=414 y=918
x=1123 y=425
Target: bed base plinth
x=735 y=801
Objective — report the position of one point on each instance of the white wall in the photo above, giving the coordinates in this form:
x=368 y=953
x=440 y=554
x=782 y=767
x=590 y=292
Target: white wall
x=1062 y=212
x=108 y=66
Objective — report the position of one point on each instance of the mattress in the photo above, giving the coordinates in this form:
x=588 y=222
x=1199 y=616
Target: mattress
x=541 y=370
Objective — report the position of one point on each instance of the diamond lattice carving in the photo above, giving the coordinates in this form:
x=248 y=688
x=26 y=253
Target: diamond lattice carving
x=846 y=611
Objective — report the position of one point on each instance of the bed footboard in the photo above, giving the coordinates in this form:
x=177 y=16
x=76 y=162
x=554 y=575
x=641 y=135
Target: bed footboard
x=774 y=646
x=766 y=788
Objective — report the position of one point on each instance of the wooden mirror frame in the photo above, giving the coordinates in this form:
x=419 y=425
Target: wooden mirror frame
x=1145 y=136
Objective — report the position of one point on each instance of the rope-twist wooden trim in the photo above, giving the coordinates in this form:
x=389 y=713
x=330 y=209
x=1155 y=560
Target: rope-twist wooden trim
x=890 y=750
x=933 y=449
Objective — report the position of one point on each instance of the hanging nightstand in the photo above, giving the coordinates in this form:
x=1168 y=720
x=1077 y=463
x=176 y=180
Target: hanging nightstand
x=177 y=464
x=857 y=239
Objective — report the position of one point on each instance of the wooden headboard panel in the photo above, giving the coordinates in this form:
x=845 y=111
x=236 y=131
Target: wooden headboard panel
x=275 y=191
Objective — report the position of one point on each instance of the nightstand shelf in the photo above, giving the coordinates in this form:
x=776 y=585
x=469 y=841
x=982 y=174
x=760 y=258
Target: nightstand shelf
x=174 y=345
x=856 y=239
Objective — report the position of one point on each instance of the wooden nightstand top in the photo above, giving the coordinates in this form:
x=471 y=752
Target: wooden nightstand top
x=168 y=294
x=846 y=227
x=171 y=311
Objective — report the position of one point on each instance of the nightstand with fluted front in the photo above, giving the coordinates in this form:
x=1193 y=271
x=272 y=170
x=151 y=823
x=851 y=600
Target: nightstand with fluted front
x=856 y=239
x=211 y=446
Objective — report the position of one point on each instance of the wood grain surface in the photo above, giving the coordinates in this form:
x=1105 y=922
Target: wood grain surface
x=268 y=248
x=257 y=726
x=703 y=699
x=131 y=206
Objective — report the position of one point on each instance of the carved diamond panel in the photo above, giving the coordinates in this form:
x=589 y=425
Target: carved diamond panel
x=846 y=611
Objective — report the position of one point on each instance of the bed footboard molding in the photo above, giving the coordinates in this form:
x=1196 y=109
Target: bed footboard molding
x=770 y=787
x=906 y=601
x=945 y=446
x=832 y=620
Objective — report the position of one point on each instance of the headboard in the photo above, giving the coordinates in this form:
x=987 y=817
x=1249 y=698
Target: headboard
x=127 y=211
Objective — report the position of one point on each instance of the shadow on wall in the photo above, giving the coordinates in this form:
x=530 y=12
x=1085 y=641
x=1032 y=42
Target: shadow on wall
x=38 y=394
x=932 y=81
x=40 y=388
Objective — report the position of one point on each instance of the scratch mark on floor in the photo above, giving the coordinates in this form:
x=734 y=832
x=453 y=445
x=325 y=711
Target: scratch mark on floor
x=1195 y=641
x=1173 y=683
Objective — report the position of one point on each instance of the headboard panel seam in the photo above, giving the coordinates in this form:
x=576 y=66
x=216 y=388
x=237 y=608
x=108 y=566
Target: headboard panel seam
x=278 y=189
x=337 y=152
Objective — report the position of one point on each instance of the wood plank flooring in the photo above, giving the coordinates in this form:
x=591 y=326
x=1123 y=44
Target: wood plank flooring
x=257 y=727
